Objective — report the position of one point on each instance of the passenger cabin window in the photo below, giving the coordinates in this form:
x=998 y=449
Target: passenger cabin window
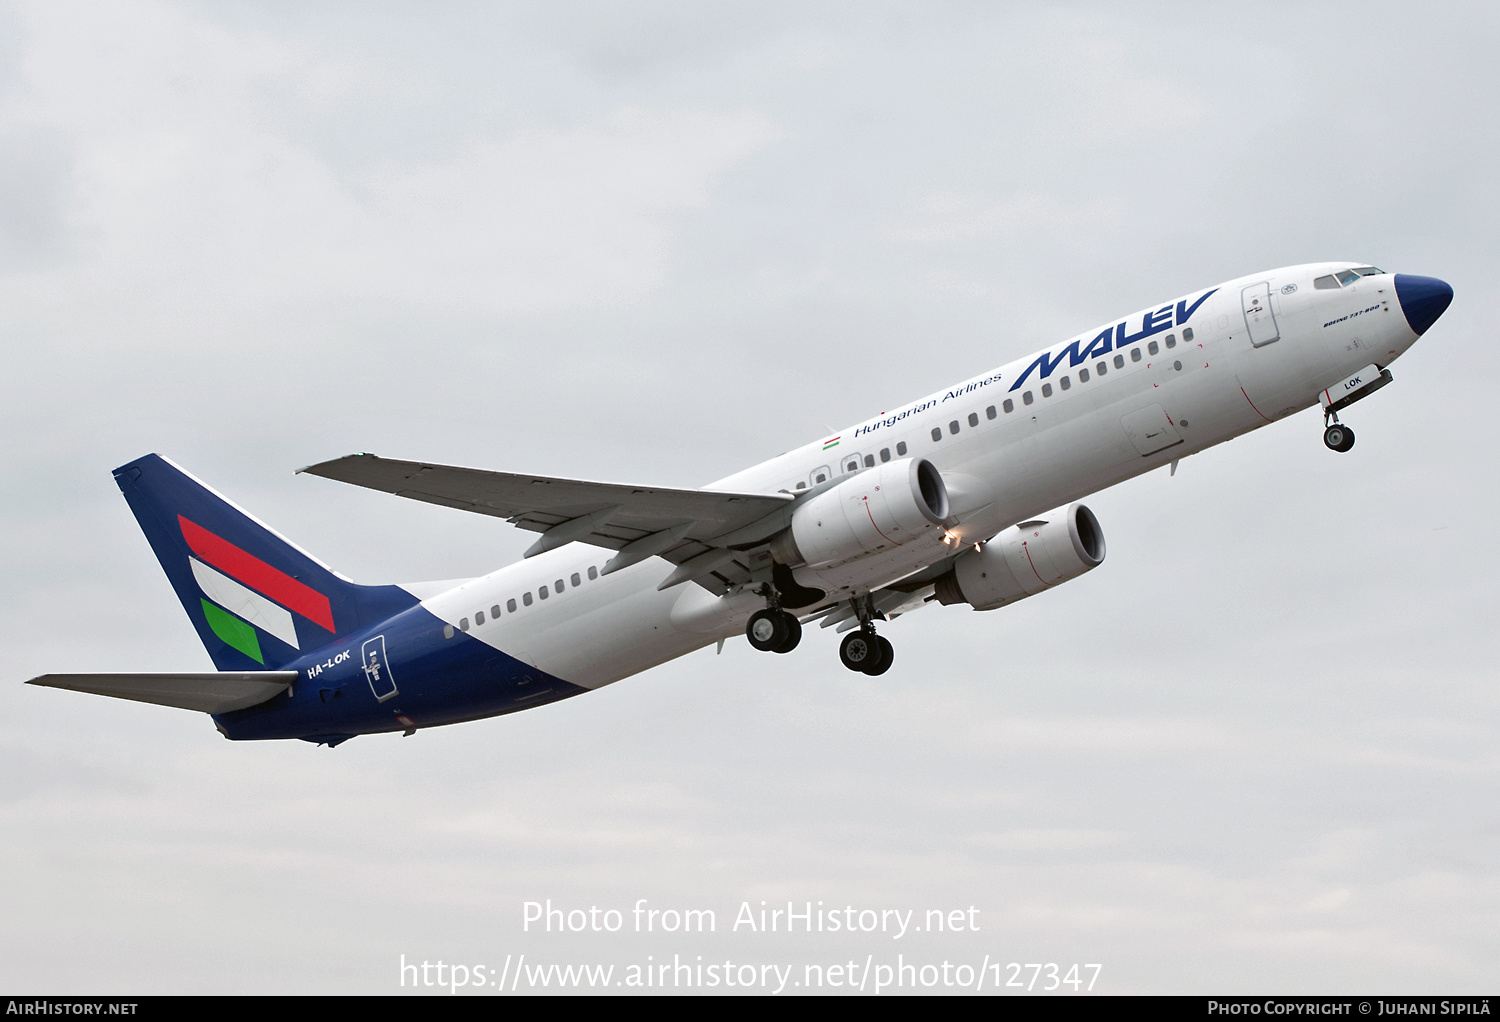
x=885 y=454
x=510 y=605
x=989 y=413
x=1171 y=340
x=822 y=477
x=869 y=461
x=1026 y=397
x=495 y=611
x=593 y=574
x=526 y=599
x=447 y=631
x=973 y=418
x=801 y=486
x=1153 y=347
x=1135 y=354
x=1083 y=376
x=558 y=585
x=901 y=448
x=576 y=580
x=1046 y=390
x=852 y=465
x=1065 y=383
x=544 y=592
x=1187 y=334
x=953 y=426
x=1326 y=283
x=479 y=617
x=1008 y=405
x=1119 y=361
x=1101 y=369
x=937 y=434
x=463 y=624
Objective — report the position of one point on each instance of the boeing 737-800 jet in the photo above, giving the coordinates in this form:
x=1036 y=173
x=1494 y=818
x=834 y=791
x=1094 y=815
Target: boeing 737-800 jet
x=966 y=496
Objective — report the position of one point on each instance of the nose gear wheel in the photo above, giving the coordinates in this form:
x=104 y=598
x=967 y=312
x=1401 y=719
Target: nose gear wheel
x=1338 y=437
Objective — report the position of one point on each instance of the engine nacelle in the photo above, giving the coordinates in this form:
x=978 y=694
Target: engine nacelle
x=1025 y=559
x=878 y=509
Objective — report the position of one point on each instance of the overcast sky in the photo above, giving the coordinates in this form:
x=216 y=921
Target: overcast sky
x=1256 y=751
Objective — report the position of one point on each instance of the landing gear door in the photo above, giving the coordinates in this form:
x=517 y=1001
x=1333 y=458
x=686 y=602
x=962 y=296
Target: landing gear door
x=1259 y=319
x=377 y=670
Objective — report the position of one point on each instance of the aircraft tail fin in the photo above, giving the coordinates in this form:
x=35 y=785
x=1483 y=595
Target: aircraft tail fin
x=257 y=600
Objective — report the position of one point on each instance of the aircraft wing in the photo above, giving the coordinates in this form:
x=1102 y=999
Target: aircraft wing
x=638 y=521
x=216 y=692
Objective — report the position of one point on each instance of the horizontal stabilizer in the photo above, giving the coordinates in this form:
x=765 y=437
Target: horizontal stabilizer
x=217 y=692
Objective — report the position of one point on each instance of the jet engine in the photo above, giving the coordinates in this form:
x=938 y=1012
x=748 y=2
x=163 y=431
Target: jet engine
x=1025 y=559
x=877 y=509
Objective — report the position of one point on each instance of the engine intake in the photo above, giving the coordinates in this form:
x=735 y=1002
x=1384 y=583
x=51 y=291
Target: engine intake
x=1025 y=559
x=880 y=508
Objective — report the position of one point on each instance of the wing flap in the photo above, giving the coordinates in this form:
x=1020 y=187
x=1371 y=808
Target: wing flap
x=216 y=692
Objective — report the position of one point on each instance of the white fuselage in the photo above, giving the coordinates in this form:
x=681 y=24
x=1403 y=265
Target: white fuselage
x=1068 y=433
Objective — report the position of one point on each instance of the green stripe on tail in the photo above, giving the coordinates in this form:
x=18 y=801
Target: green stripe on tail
x=232 y=630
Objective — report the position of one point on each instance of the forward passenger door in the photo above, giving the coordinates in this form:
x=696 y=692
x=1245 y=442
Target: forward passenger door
x=1259 y=319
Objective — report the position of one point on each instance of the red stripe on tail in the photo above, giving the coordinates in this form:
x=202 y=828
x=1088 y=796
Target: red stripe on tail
x=257 y=574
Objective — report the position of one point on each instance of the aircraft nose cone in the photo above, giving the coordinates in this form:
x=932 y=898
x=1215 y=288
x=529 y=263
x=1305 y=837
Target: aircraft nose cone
x=1423 y=299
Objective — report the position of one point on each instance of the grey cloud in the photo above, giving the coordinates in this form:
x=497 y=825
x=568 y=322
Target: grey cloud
x=36 y=200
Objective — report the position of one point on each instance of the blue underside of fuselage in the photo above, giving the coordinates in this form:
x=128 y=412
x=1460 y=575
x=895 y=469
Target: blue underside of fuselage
x=437 y=680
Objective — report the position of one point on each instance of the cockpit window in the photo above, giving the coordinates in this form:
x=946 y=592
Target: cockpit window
x=1345 y=277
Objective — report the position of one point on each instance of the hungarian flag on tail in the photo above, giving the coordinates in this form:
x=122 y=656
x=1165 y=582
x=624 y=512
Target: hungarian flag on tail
x=257 y=600
x=243 y=593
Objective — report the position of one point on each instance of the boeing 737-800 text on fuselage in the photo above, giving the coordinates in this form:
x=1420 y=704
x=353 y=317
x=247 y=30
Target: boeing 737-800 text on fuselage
x=965 y=496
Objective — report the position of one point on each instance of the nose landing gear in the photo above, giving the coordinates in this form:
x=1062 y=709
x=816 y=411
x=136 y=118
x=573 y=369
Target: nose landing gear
x=1337 y=437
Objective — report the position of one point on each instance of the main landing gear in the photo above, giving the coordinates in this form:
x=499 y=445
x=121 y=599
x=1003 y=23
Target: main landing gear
x=863 y=650
x=1337 y=437
x=773 y=630
x=867 y=652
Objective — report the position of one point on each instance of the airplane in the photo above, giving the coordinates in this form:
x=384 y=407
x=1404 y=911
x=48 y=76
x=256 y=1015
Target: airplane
x=969 y=495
